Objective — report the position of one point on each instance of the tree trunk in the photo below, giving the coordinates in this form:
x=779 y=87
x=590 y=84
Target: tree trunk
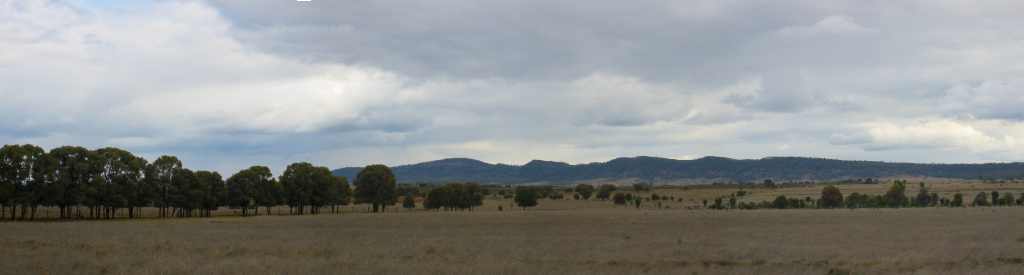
x=375 y=207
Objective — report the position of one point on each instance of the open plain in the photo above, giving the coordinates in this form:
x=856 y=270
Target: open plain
x=559 y=237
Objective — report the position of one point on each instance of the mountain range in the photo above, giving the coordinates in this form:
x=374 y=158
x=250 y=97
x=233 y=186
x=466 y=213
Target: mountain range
x=707 y=169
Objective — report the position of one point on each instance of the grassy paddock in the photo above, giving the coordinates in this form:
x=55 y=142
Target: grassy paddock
x=580 y=241
x=557 y=237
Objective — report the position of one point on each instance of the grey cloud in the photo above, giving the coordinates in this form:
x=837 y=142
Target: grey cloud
x=227 y=84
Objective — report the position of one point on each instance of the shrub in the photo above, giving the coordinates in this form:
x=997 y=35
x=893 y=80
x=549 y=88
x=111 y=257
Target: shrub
x=408 y=202
x=584 y=191
x=923 y=198
x=526 y=197
x=857 y=200
x=831 y=197
x=780 y=202
x=980 y=200
x=896 y=196
x=958 y=200
x=605 y=191
x=1008 y=199
x=619 y=199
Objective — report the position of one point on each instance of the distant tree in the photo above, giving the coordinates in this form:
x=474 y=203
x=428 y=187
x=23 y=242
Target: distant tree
x=1007 y=199
x=732 y=202
x=605 y=191
x=769 y=183
x=995 y=198
x=525 y=197
x=74 y=171
x=161 y=176
x=215 y=193
x=619 y=199
x=186 y=193
x=980 y=200
x=857 y=200
x=343 y=193
x=408 y=201
x=584 y=190
x=638 y=187
x=306 y=185
x=375 y=184
x=831 y=197
x=922 y=199
x=18 y=165
x=780 y=202
x=264 y=190
x=242 y=190
x=896 y=196
x=958 y=200
x=718 y=204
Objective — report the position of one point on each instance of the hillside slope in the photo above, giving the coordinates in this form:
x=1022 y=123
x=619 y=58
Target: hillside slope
x=708 y=168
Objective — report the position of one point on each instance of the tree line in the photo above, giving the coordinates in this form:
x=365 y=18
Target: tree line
x=895 y=197
x=99 y=184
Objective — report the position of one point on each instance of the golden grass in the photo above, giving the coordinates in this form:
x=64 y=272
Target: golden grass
x=558 y=237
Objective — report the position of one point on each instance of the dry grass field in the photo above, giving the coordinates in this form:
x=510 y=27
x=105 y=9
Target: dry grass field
x=558 y=237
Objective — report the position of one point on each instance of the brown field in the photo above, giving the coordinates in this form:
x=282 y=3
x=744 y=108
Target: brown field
x=559 y=237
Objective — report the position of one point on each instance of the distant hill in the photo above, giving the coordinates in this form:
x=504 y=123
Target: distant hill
x=707 y=169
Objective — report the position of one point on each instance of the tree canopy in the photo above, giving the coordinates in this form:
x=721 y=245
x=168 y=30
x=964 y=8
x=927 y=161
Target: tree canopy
x=375 y=184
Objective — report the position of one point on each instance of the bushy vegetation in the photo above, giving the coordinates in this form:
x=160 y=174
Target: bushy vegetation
x=455 y=196
x=605 y=191
x=584 y=191
x=526 y=196
x=832 y=197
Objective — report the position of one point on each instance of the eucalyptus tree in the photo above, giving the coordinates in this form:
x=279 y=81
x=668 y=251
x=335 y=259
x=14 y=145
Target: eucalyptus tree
x=308 y=185
x=185 y=194
x=375 y=184
x=160 y=178
x=120 y=175
x=215 y=193
x=244 y=188
x=74 y=171
x=342 y=193
x=18 y=164
x=268 y=190
x=323 y=189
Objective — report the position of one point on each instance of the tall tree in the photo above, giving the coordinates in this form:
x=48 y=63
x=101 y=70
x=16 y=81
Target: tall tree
x=343 y=193
x=122 y=174
x=73 y=174
x=298 y=182
x=375 y=184
x=215 y=193
x=18 y=165
x=266 y=190
x=161 y=179
x=245 y=186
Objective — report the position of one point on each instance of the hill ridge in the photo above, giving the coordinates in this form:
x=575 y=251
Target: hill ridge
x=716 y=168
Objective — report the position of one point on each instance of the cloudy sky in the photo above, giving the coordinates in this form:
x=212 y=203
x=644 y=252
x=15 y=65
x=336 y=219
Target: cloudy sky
x=227 y=84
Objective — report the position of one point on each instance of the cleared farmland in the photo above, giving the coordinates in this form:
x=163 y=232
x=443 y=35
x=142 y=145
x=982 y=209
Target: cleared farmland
x=559 y=237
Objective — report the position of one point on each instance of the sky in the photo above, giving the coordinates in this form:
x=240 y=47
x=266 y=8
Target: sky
x=228 y=84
